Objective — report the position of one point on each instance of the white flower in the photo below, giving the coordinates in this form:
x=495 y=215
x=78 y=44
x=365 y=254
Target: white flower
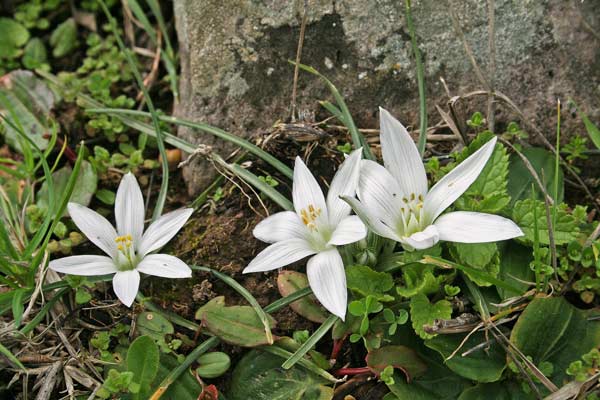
x=316 y=228
x=129 y=247
x=395 y=203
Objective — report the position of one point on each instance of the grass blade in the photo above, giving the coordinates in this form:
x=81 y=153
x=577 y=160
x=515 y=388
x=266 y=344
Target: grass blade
x=310 y=343
x=303 y=362
x=6 y=353
x=420 y=80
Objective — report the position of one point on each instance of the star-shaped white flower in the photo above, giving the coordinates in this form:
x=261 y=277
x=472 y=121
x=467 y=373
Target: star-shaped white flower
x=395 y=202
x=315 y=229
x=129 y=248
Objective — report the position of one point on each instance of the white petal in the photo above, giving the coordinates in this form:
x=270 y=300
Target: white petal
x=162 y=230
x=307 y=193
x=344 y=183
x=165 y=266
x=424 y=239
x=457 y=181
x=327 y=280
x=280 y=254
x=126 y=285
x=84 y=265
x=129 y=208
x=401 y=156
x=371 y=220
x=380 y=192
x=473 y=227
x=281 y=226
x=351 y=229
x=93 y=225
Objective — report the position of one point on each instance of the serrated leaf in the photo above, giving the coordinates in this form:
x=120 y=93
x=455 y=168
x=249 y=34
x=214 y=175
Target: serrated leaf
x=259 y=376
x=481 y=256
x=142 y=360
x=419 y=279
x=520 y=180
x=566 y=229
x=238 y=325
x=400 y=357
x=552 y=330
x=488 y=193
x=14 y=35
x=64 y=38
x=422 y=312
x=289 y=282
x=366 y=282
x=482 y=365
x=34 y=54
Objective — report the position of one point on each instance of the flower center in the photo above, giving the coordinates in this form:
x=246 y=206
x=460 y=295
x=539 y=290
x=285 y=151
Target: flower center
x=309 y=216
x=412 y=215
x=126 y=257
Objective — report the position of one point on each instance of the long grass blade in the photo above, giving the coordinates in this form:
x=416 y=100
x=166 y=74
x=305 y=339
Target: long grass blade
x=303 y=362
x=310 y=343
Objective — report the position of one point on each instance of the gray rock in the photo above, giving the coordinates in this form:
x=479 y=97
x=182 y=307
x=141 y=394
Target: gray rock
x=235 y=71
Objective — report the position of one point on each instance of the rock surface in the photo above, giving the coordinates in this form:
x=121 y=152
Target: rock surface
x=235 y=72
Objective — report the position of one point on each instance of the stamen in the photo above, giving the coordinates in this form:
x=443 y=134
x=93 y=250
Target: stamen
x=309 y=215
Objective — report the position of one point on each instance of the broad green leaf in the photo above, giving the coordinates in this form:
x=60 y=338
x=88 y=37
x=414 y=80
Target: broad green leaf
x=34 y=55
x=14 y=35
x=154 y=325
x=28 y=100
x=591 y=129
x=481 y=256
x=238 y=325
x=514 y=268
x=185 y=387
x=84 y=190
x=308 y=307
x=422 y=312
x=213 y=364
x=496 y=391
x=552 y=330
x=520 y=180
x=143 y=359
x=64 y=38
x=482 y=365
x=400 y=357
x=566 y=229
x=488 y=193
x=259 y=376
x=419 y=278
x=366 y=282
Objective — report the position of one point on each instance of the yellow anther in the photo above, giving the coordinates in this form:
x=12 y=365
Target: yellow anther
x=412 y=197
x=420 y=197
x=120 y=248
x=129 y=238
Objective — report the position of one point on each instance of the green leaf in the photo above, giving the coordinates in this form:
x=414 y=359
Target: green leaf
x=154 y=325
x=505 y=390
x=34 y=55
x=400 y=357
x=143 y=359
x=591 y=129
x=520 y=179
x=238 y=325
x=419 y=279
x=213 y=364
x=422 y=312
x=483 y=365
x=106 y=196
x=14 y=35
x=64 y=38
x=488 y=193
x=552 y=330
x=259 y=376
x=17 y=306
x=308 y=307
x=481 y=256
x=186 y=386
x=514 y=268
x=26 y=101
x=367 y=282
x=566 y=229
x=84 y=190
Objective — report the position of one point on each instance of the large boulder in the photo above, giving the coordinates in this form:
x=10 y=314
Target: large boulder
x=235 y=72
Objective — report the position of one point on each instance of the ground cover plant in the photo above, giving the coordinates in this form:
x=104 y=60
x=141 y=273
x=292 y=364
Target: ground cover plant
x=395 y=266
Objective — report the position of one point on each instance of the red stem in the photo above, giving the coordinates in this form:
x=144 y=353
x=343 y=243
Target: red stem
x=337 y=347
x=352 y=371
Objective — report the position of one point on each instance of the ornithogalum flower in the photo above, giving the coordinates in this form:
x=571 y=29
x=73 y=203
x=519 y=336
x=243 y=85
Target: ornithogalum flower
x=129 y=248
x=315 y=229
x=395 y=202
